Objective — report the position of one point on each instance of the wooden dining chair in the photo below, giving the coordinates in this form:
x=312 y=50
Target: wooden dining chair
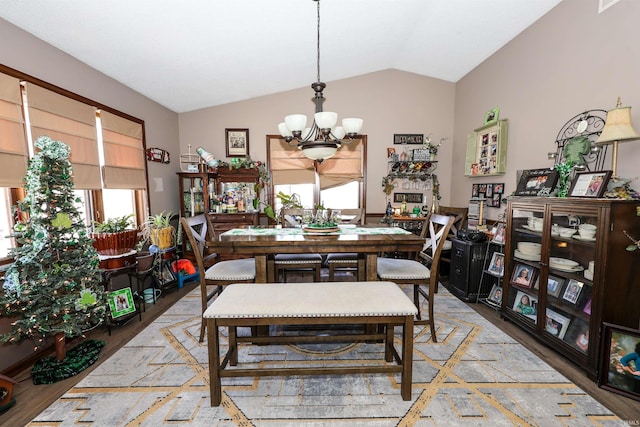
x=213 y=274
x=347 y=261
x=423 y=270
x=459 y=222
x=284 y=263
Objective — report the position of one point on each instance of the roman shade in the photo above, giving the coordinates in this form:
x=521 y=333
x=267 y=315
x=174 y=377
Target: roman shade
x=345 y=166
x=13 y=150
x=288 y=164
x=124 y=160
x=64 y=119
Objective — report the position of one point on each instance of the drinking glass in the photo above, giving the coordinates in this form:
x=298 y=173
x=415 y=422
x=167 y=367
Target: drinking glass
x=322 y=216
x=307 y=216
x=336 y=216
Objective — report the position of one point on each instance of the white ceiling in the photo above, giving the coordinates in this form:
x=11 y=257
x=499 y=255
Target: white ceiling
x=191 y=54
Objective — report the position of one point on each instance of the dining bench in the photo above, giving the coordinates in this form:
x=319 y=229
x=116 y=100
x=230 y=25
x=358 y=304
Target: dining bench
x=379 y=306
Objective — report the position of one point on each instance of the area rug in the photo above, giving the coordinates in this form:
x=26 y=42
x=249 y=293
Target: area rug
x=475 y=375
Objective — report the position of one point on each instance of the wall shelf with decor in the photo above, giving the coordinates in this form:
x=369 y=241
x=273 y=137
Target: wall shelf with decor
x=487 y=150
x=567 y=270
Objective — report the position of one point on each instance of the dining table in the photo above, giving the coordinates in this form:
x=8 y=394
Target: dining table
x=263 y=243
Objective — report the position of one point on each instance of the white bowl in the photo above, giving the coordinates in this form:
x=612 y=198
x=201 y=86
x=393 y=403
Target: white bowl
x=587 y=234
x=589 y=227
x=566 y=232
x=530 y=248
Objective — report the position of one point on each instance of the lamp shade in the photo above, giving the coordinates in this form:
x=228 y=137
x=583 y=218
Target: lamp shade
x=319 y=151
x=284 y=130
x=352 y=126
x=296 y=122
x=326 y=119
x=618 y=127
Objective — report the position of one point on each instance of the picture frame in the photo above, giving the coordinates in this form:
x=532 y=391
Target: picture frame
x=486 y=153
x=408 y=138
x=578 y=334
x=495 y=296
x=491 y=193
x=556 y=324
x=237 y=142
x=499 y=236
x=589 y=184
x=410 y=197
x=496 y=266
x=620 y=346
x=572 y=291
x=555 y=285
x=537 y=182
x=527 y=305
x=391 y=152
x=491 y=116
x=519 y=278
x=121 y=302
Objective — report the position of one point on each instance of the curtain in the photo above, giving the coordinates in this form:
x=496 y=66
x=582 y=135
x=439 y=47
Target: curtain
x=72 y=122
x=124 y=159
x=287 y=163
x=13 y=149
x=345 y=166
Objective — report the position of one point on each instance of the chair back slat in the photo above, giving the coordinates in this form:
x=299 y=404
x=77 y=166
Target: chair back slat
x=434 y=232
x=197 y=230
x=459 y=215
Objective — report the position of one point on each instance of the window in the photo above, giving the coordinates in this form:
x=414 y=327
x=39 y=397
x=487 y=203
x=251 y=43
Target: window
x=338 y=182
x=29 y=109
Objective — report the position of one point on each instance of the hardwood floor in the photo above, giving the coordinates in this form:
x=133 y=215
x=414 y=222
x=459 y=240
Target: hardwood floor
x=33 y=399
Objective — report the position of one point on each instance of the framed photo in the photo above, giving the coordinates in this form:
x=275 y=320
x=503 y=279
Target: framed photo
x=556 y=324
x=495 y=296
x=537 y=182
x=237 y=141
x=408 y=138
x=121 y=302
x=499 y=236
x=526 y=305
x=391 y=152
x=523 y=275
x=496 y=267
x=620 y=369
x=491 y=116
x=589 y=184
x=554 y=285
x=578 y=334
x=572 y=291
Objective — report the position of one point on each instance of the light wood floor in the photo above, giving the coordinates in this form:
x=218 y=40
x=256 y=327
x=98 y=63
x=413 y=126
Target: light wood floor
x=33 y=399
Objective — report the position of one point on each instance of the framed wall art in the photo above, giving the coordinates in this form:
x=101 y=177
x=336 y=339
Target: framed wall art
x=537 y=182
x=237 y=142
x=491 y=116
x=408 y=138
x=121 y=302
x=487 y=150
x=620 y=358
x=589 y=184
x=491 y=193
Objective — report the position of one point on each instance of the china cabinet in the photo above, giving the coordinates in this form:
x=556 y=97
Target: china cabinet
x=226 y=195
x=561 y=281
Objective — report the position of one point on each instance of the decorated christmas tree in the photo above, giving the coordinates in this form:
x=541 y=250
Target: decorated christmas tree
x=53 y=288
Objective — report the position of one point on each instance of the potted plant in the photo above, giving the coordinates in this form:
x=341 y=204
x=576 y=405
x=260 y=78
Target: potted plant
x=115 y=236
x=158 y=230
x=286 y=202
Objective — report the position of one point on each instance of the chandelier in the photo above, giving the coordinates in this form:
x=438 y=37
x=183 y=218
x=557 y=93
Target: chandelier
x=323 y=138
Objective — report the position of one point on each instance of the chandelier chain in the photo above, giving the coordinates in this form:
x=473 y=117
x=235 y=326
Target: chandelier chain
x=318 y=41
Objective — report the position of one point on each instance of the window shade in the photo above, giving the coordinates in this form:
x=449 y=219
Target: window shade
x=288 y=165
x=72 y=122
x=13 y=150
x=124 y=160
x=345 y=166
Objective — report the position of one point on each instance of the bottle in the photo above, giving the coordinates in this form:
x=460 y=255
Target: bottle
x=389 y=210
x=403 y=205
x=209 y=158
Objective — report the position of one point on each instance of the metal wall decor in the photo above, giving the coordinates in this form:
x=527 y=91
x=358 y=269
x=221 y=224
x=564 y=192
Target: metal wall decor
x=576 y=141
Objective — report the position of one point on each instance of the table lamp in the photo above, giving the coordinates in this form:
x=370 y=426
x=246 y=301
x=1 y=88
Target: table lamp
x=617 y=128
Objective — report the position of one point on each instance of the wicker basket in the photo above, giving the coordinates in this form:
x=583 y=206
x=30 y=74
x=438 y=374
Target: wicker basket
x=115 y=243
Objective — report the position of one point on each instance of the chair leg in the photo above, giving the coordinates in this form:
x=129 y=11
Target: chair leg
x=316 y=273
x=203 y=327
x=332 y=272
x=416 y=300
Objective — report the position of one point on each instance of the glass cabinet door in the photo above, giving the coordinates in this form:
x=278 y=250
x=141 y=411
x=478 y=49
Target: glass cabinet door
x=197 y=191
x=522 y=280
x=569 y=280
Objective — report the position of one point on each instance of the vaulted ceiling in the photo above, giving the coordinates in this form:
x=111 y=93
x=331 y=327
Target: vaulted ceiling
x=191 y=54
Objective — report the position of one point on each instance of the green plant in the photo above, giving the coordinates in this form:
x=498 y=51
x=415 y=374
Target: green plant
x=156 y=222
x=287 y=201
x=114 y=225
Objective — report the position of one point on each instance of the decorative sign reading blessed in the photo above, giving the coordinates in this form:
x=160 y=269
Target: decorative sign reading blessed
x=408 y=138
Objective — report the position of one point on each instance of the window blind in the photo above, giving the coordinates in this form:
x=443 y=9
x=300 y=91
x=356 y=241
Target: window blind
x=345 y=166
x=124 y=159
x=13 y=149
x=72 y=122
x=287 y=163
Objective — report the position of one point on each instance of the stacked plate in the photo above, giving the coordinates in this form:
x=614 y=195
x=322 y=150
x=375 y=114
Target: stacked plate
x=564 y=264
x=526 y=256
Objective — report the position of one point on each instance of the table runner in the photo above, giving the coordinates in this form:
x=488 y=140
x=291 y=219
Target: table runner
x=256 y=231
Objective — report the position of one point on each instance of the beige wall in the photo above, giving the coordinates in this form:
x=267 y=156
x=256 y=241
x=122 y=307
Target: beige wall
x=30 y=55
x=571 y=60
x=389 y=101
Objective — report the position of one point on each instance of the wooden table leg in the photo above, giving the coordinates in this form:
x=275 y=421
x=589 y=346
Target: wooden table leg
x=407 y=358
x=233 y=345
x=215 y=386
x=372 y=267
x=388 y=342
x=261 y=268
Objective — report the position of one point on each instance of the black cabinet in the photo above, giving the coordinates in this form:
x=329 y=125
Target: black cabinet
x=467 y=261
